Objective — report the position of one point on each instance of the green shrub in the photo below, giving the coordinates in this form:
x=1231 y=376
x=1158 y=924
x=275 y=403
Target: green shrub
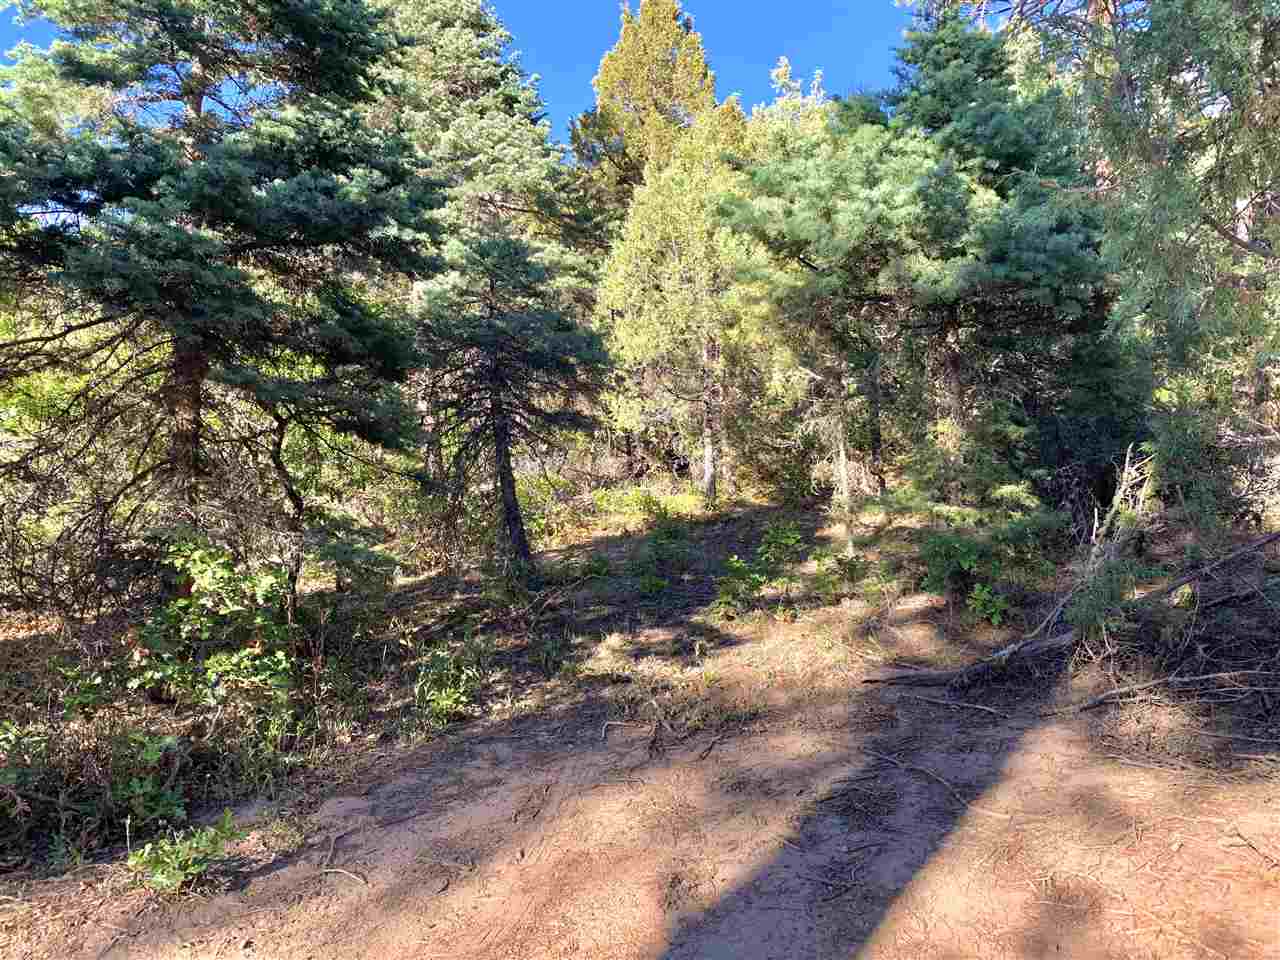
x=988 y=604
x=171 y=863
x=448 y=680
x=664 y=552
x=546 y=505
x=651 y=585
x=837 y=574
x=781 y=546
x=952 y=558
x=740 y=584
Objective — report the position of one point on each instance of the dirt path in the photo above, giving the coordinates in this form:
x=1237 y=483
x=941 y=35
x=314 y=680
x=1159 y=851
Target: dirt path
x=811 y=816
x=863 y=823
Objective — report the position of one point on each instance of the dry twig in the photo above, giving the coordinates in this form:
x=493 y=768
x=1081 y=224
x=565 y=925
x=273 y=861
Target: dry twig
x=346 y=873
x=958 y=704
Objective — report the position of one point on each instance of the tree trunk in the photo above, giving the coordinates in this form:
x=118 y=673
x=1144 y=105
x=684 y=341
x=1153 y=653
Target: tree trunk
x=875 y=405
x=296 y=523
x=184 y=401
x=710 y=420
x=517 y=539
x=844 y=481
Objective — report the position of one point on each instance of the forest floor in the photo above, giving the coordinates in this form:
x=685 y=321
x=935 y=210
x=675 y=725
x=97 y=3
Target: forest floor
x=690 y=786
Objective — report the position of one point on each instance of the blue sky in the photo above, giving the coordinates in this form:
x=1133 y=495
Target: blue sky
x=852 y=41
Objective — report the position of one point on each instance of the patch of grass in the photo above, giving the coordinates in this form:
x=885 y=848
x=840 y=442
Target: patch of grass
x=448 y=679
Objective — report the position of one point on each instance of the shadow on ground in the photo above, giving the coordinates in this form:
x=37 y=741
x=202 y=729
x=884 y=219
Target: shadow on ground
x=797 y=831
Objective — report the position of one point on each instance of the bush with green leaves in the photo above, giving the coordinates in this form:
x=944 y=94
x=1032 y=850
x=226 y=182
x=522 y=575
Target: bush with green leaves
x=988 y=604
x=781 y=547
x=1016 y=549
x=665 y=552
x=837 y=573
x=74 y=786
x=448 y=679
x=169 y=864
x=546 y=503
x=226 y=644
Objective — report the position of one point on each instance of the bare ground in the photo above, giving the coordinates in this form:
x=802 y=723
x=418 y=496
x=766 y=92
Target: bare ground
x=808 y=816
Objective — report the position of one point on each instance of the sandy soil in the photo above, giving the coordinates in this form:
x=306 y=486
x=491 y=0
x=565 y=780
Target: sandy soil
x=811 y=816
x=864 y=822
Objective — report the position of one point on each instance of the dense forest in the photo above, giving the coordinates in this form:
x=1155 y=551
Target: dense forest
x=302 y=310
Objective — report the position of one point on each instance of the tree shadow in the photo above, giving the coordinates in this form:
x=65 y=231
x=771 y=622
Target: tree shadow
x=898 y=780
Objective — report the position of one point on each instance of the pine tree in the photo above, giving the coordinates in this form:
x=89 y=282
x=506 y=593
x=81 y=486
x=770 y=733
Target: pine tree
x=502 y=361
x=649 y=87
x=506 y=369
x=925 y=264
x=194 y=214
x=473 y=115
x=666 y=296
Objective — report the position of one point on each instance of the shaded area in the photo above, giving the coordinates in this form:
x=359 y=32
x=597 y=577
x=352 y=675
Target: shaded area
x=829 y=820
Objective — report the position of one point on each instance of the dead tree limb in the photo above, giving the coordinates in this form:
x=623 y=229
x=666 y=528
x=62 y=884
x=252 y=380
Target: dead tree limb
x=1031 y=646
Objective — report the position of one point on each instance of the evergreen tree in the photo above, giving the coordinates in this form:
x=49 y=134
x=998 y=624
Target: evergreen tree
x=956 y=83
x=472 y=114
x=505 y=370
x=649 y=87
x=1180 y=99
x=666 y=294
x=853 y=214
x=502 y=360
x=195 y=225
x=939 y=270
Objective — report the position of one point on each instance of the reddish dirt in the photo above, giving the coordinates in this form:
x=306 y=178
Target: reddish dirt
x=812 y=816
x=843 y=821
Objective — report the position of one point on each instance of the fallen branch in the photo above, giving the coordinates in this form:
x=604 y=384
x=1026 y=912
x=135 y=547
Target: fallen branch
x=346 y=873
x=1171 y=681
x=1030 y=645
x=958 y=704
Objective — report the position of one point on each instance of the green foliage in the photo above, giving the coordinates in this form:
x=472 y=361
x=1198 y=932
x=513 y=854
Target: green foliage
x=655 y=75
x=652 y=585
x=781 y=546
x=838 y=573
x=665 y=553
x=545 y=505
x=642 y=503
x=988 y=604
x=505 y=366
x=1093 y=607
x=666 y=297
x=739 y=585
x=169 y=864
x=951 y=558
x=957 y=83
x=226 y=643
x=1016 y=549
x=448 y=680
x=221 y=255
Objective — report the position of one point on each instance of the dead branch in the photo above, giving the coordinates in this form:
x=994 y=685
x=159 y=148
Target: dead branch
x=1029 y=647
x=958 y=704
x=1172 y=681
